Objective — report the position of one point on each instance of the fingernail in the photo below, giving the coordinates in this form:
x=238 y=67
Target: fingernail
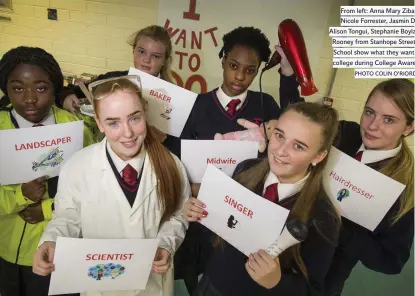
x=205 y=213
x=198 y=219
x=203 y=206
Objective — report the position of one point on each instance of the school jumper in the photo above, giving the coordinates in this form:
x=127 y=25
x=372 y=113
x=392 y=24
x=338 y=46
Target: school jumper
x=90 y=190
x=226 y=275
x=19 y=239
x=172 y=143
x=207 y=118
x=384 y=250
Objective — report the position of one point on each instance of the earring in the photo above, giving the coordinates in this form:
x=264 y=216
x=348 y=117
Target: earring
x=405 y=134
x=313 y=164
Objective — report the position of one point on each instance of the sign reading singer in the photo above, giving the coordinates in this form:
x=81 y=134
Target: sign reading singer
x=223 y=154
x=34 y=152
x=362 y=194
x=236 y=214
x=169 y=105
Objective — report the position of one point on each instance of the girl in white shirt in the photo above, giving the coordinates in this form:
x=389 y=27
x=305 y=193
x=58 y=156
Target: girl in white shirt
x=129 y=177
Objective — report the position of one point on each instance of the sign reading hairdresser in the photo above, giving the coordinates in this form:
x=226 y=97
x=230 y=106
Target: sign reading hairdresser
x=362 y=194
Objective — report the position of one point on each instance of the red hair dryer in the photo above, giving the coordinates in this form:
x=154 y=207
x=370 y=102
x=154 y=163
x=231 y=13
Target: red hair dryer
x=292 y=42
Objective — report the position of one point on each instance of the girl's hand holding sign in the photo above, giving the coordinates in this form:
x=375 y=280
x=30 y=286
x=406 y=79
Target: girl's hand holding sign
x=194 y=210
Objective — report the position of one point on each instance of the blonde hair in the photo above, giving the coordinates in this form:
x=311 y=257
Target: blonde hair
x=157 y=33
x=170 y=185
x=400 y=167
x=303 y=207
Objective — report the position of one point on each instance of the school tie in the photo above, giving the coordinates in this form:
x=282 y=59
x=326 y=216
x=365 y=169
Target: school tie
x=232 y=106
x=271 y=192
x=129 y=175
x=37 y=124
x=358 y=156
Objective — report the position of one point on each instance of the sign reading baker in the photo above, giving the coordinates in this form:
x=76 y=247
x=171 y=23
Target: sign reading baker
x=169 y=105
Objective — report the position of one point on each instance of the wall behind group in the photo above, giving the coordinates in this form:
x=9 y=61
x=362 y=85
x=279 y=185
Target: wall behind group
x=349 y=93
x=89 y=36
x=209 y=20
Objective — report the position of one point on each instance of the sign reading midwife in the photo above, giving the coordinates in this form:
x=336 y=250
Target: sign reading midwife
x=196 y=155
x=362 y=194
x=237 y=214
x=169 y=105
x=87 y=265
x=29 y=153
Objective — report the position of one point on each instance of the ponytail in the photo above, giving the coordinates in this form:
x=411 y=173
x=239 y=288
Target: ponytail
x=304 y=205
x=401 y=169
x=169 y=178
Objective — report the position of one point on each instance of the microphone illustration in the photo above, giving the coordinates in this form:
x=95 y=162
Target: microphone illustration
x=293 y=233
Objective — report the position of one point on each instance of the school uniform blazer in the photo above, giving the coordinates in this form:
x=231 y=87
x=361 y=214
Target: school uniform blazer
x=91 y=204
x=226 y=269
x=388 y=247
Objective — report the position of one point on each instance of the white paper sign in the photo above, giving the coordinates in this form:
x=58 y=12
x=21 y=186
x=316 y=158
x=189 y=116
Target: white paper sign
x=245 y=220
x=169 y=105
x=361 y=194
x=196 y=155
x=87 y=265
x=29 y=153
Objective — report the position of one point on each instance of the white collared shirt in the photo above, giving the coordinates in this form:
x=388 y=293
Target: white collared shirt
x=371 y=156
x=23 y=123
x=284 y=189
x=137 y=162
x=224 y=99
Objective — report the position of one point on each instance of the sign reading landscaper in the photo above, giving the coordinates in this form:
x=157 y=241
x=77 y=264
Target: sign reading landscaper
x=29 y=153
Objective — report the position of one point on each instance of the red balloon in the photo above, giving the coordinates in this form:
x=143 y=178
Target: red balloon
x=292 y=42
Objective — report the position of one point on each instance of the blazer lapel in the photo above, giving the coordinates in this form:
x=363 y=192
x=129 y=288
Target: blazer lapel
x=148 y=183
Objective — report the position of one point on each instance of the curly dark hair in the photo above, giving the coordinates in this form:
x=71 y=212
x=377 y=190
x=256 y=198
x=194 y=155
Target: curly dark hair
x=247 y=36
x=31 y=56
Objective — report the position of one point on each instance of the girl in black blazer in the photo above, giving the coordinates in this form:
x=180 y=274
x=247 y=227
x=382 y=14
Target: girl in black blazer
x=290 y=176
x=379 y=142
